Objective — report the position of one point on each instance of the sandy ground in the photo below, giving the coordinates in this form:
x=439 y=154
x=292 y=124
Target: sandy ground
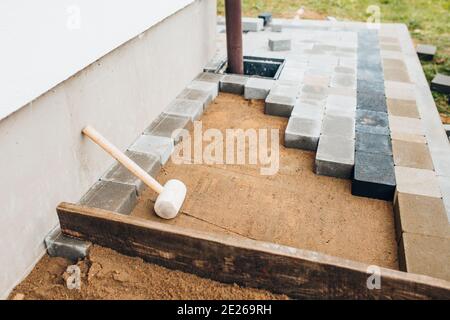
x=295 y=207
x=107 y=274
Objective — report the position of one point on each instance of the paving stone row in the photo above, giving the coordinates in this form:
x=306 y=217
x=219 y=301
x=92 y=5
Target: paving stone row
x=322 y=117
x=374 y=174
x=422 y=227
x=421 y=219
x=117 y=189
x=119 y=174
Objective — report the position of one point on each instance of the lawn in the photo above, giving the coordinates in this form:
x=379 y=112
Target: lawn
x=427 y=20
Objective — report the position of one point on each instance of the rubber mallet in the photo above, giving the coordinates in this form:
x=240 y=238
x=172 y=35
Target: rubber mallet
x=170 y=197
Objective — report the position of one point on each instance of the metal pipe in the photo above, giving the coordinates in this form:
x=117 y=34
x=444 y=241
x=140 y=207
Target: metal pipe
x=233 y=15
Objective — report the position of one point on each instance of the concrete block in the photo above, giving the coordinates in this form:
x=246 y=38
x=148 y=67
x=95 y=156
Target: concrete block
x=417 y=182
x=196 y=95
x=390 y=47
x=59 y=245
x=400 y=90
x=118 y=173
x=345 y=70
x=166 y=125
x=420 y=215
x=374 y=101
x=280 y=44
x=374 y=176
x=233 y=84
x=406 y=125
x=161 y=147
x=216 y=63
x=412 y=155
x=211 y=88
x=341 y=105
x=348 y=92
x=257 y=88
x=408 y=137
x=441 y=83
x=335 y=157
x=398 y=64
x=426 y=255
x=278 y=105
x=366 y=86
x=210 y=77
x=318 y=93
x=398 y=75
x=372 y=122
x=339 y=126
x=267 y=17
x=316 y=80
x=292 y=74
x=111 y=196
x=276 y=27
x=185 y=108
x=302 y=134
x=426 y=52
x=343 y=80
x=403 y=108
x=370 y=75
x=252 y=24
x=306 y=110
x=373 y=143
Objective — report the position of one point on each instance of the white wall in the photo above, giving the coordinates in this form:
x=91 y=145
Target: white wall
x=45 y=159
x=45 y=42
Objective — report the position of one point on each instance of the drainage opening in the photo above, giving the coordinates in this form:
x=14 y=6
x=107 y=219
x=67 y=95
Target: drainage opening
x=262 y=67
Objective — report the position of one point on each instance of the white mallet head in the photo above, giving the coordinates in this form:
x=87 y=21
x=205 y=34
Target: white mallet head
x=169 y=202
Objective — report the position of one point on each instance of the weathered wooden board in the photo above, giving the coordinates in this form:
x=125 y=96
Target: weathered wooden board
x=297 y=273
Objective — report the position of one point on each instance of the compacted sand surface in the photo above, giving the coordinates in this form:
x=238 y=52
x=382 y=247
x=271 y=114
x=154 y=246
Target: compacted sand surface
x=294 y=207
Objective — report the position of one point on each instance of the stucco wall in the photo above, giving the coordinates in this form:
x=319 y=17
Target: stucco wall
x=45 y=159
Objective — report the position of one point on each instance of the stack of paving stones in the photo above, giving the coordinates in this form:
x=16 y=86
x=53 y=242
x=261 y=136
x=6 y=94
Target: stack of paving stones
x=374 y=174
x=118 y=189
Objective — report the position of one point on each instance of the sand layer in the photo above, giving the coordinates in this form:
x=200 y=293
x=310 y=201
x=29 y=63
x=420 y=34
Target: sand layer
x=107 y=274
x=294 y=207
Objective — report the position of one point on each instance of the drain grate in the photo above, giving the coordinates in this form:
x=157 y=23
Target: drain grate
x=262 y=67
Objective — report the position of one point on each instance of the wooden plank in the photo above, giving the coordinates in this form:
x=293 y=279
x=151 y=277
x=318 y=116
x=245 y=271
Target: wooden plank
x=297 y=273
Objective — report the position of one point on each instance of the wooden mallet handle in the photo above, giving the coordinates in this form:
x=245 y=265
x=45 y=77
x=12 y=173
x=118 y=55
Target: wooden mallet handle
x=123 y=159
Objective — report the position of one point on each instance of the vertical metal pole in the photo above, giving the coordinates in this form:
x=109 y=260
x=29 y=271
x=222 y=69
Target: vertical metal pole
x=233 y=15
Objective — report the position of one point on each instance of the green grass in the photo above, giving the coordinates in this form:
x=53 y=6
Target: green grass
x=427 y=20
